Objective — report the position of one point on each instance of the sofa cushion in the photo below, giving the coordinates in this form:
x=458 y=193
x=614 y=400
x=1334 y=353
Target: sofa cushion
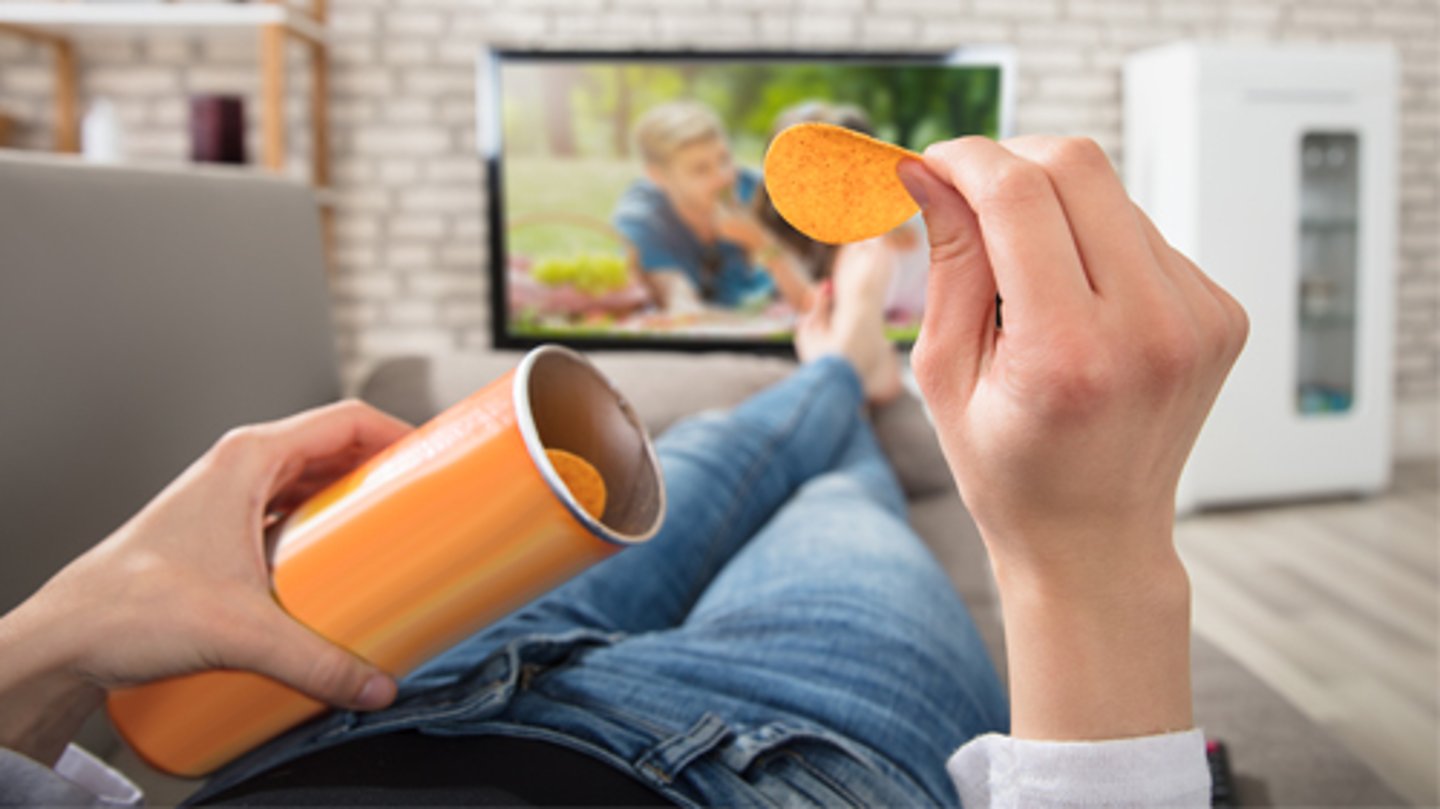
x=663 y=387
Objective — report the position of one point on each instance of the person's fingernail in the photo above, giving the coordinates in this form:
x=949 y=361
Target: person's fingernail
x=375 y=692
x=909 y=172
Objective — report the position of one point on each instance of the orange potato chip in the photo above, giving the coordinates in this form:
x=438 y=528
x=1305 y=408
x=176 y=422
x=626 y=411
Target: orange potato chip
x=836 y=185
x=581 y=478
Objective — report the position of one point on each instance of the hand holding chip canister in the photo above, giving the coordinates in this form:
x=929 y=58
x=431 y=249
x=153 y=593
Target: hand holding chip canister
x=1065 y=427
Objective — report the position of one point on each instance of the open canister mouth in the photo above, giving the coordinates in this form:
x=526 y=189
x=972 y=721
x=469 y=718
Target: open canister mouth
x=563 y=402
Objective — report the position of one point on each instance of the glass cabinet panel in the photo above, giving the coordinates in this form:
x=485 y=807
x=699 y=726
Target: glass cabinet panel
x=1329 y=226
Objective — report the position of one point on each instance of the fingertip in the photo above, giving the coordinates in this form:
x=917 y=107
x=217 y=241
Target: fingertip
x=914 y=176
x=941 y=203
x=282 y=648
x=377 y=692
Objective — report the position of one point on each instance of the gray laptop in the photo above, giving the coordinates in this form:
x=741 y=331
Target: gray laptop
x=142 y=313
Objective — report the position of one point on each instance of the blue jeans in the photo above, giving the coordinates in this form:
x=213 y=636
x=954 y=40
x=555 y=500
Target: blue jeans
x=786 y=637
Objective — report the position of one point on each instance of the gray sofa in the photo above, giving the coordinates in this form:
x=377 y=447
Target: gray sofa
x=133 y=339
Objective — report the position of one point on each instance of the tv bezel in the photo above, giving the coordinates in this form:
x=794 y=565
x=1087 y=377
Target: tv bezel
x=489 y=143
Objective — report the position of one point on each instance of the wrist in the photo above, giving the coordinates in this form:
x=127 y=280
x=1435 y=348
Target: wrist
x=1081 y=556
x=1110 y=569
x=44 y=698
x=1097 y=653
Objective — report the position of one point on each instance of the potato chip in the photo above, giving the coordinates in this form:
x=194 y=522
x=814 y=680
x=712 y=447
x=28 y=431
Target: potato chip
x=581 y=478
x=836 y=185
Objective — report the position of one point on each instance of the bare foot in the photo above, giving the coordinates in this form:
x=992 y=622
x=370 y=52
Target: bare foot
x=847 y=318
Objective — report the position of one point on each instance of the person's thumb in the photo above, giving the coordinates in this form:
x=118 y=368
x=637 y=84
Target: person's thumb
x=955 y=334
x=290 y=652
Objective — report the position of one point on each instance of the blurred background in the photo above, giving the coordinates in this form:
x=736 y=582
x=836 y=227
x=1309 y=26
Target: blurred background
x=410 y=253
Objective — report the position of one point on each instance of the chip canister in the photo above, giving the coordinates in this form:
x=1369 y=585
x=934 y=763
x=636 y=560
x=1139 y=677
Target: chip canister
x=449 y=529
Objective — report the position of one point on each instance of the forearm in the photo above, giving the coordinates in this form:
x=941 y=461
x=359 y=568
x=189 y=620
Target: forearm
x=1099 y=651
x=43 y=701
x=794 y=288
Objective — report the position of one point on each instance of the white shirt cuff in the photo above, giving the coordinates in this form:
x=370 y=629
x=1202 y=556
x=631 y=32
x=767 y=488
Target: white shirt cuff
x=84 y=770
x=1164 y=770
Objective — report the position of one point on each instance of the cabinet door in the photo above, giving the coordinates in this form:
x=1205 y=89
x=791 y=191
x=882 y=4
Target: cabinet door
x=1296 y=219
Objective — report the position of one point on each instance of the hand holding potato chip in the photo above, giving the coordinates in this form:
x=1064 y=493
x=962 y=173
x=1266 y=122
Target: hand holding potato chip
x=1066 y=428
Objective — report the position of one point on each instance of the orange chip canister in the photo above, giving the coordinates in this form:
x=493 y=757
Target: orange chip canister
x=449 y=529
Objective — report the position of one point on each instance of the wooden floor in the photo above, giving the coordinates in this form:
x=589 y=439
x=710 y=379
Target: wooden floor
x=1334 y=604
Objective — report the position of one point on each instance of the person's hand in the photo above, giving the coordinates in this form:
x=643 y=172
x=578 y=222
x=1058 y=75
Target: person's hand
x=736 y=224
x=739 y=225
x=184 y=586
x=1066 y=427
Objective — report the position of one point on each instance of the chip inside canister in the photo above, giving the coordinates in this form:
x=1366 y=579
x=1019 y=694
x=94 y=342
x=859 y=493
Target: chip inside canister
x=837 y=185
x=581 y=478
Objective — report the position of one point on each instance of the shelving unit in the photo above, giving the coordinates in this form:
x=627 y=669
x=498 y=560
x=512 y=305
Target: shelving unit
x=62 y=26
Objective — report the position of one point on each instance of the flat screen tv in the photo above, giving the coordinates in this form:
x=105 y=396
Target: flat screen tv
x=626 y=207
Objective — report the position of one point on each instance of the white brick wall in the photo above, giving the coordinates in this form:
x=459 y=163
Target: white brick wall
x=411 y=252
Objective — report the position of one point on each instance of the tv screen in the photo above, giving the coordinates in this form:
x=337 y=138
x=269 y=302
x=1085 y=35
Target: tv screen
x=626 y=204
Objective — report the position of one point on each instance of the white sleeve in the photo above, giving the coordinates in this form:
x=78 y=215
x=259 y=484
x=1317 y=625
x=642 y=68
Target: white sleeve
x=1001 y=772
x=79 y=767
x=78 y=779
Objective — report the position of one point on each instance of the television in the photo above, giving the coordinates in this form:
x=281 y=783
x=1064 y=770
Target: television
x=625 y=203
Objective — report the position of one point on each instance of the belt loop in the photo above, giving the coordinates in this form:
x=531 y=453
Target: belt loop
x=667 y=758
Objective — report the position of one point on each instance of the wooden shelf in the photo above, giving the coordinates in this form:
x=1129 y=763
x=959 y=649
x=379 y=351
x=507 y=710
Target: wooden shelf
x=62 y=26
x=63 y=19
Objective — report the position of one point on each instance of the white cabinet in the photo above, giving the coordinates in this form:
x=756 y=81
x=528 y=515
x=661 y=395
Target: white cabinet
x=1273 y=167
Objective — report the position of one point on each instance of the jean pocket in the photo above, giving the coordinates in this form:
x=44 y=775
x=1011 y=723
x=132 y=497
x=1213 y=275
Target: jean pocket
x=800 y=764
